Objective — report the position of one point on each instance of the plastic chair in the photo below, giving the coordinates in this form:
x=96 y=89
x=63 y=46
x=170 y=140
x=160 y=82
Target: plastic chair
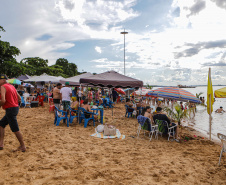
x=51 y=105
x=71 y=111
x=108 y=103
x=40 y=100
x=142 y=121
x=129 y=111
x=59 y=117
x=223 y=141
x=27 y=101
x=82 y=113
x=164 y=128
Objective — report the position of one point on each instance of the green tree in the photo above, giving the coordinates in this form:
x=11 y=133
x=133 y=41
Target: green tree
x=8 y=63
x=35 y=65
x=70 y=69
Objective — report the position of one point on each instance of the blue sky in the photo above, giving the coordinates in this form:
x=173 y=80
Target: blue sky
x=170 y=42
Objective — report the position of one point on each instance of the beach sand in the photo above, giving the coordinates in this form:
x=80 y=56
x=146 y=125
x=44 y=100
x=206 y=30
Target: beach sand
x=69 y=155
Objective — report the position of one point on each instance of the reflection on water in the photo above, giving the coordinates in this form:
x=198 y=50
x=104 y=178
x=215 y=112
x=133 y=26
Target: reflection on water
x=201 y=119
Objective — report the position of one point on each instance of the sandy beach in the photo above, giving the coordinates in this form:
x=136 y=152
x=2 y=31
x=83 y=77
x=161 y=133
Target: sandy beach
x=69 y=155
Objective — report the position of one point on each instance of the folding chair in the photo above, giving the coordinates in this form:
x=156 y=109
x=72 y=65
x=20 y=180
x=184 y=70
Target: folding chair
x=223 y=141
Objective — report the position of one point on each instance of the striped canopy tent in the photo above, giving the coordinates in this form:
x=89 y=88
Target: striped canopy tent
x=174 y=93
x=220 y=93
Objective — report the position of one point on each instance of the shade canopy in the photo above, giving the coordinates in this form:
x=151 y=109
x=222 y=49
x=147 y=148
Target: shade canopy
x=111 y=79
x=220 y=93
x=75 y=79
x=174 y=93
x=44 y=78
x=23 y=77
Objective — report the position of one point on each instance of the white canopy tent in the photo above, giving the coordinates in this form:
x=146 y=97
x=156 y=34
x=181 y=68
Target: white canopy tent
x=75 y=79
x=44 y=78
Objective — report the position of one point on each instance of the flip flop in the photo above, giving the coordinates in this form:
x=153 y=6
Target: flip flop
x=1 y=148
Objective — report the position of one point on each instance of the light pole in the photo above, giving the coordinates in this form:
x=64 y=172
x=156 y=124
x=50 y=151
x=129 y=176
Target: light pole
x=124 y=33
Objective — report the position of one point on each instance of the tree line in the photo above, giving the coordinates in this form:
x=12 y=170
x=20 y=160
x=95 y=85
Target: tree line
x=31 y=65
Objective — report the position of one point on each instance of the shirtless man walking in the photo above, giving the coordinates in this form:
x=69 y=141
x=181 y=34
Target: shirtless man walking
x=57 y=95
x=9 y=102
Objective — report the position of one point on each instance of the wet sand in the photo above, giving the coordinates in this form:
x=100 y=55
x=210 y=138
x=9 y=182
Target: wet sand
x=69 y=155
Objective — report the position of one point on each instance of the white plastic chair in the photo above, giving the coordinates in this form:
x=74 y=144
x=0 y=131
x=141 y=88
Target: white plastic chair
x=171 y=132
x=223 y=141
x=27 y=101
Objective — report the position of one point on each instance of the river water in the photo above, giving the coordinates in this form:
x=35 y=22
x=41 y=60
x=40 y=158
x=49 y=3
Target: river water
x=201 y=119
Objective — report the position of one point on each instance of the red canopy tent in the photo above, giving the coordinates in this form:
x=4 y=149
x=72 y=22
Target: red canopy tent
x=112 y=79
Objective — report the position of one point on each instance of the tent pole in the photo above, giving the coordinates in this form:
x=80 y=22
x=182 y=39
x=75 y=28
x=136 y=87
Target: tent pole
x=210 y=117
x=48 y=92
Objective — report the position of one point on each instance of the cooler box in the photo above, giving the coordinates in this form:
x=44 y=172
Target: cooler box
x=34 y=103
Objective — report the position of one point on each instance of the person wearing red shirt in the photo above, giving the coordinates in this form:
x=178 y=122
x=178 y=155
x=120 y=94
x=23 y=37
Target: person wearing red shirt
x=9 y=102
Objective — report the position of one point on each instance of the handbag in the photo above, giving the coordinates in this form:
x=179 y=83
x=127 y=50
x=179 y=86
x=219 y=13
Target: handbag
x=109 y=130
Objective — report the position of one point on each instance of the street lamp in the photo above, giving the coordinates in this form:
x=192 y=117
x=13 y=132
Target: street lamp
x=124 y=33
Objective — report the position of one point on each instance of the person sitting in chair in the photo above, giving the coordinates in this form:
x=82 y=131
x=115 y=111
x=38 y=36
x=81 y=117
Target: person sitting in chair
x=86 y=106
x=74 y=104
x=147 y=113
x=160 y=116
x=128 y=102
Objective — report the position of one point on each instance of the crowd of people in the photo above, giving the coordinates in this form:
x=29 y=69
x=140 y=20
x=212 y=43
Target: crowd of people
x=65 y=97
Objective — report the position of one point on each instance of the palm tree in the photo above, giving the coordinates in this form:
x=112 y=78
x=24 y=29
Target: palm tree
x=177 y=114
x=198 y=95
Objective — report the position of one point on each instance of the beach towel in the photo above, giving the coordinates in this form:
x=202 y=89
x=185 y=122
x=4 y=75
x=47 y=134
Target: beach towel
x=141 y=119
x=101 y=135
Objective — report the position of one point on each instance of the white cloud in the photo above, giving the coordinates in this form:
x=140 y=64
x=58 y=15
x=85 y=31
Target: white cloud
x=98 y=49
x=70 y=21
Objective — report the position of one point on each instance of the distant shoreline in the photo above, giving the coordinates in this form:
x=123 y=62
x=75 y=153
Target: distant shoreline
x=193 y=86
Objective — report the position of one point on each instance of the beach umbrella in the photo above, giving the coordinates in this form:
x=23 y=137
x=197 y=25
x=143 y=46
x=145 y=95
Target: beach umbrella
x=14 y=81
x=141 y=92
x=220 y=93
x=210 y=100
x=27 y=84
x=120 y=91
x=174 y=93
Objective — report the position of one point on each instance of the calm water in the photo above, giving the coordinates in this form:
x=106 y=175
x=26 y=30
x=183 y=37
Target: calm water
x=201 y=119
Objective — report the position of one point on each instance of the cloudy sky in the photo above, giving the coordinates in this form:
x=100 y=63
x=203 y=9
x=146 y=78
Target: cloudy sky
x=169 y=42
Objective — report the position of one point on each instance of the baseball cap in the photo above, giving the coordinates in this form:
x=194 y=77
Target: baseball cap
x=2 y=76
x=67 y=83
